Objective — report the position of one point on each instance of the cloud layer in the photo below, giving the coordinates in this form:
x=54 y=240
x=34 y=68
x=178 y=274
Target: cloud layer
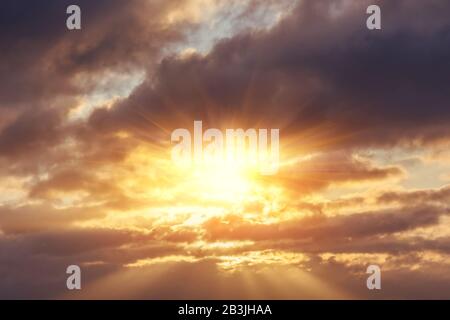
x=86 y=176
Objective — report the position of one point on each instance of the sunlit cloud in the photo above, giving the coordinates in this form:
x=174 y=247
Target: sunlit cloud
x=87 y=174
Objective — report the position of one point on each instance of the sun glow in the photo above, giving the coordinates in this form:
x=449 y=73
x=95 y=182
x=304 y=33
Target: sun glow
x=219 y=180
x=227 y=182
x=166 y=193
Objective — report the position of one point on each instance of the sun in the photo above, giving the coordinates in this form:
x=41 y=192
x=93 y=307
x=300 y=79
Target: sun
x=230 y=181
x=168 y=192
x=227 y=179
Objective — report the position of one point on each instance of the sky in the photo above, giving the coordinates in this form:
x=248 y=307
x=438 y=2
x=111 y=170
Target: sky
x=87 y=178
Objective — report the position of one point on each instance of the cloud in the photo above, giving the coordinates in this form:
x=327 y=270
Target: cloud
x=47 y=70
x=331 y=168
x=108 y=42
x=34 y=218
x=439 y=196
x=360 y=88
x=318 y=226
x=31 y=133
x=35 y=263
x=334 y=89
x=315 y=278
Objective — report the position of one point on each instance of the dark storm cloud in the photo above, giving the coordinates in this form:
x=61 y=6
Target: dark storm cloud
x=41 y=58
x=320 y=75
x=40 y=261
x=320 y=67
x=360 y=87
x=45 y=69
x=34 y=265
x=30 y=133
x=431 y=281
